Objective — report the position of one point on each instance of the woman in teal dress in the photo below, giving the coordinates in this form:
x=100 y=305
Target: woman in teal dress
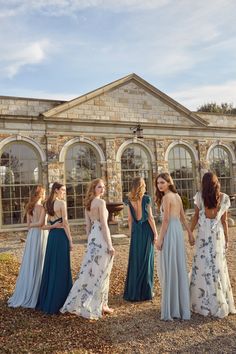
x=139 y=280
x=56 y=279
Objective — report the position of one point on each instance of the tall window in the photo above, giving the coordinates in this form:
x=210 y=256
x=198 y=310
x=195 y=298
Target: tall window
x=82 y=165
x=220 y=164
x=134 y=162
x=181 y=169
x=20 y=171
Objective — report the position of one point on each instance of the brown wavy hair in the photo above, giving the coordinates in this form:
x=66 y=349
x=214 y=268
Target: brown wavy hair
x=210 y=190
x=35 y=195
x=90 y=193
x=159 y=195
x=137 y=189
x=49 y=204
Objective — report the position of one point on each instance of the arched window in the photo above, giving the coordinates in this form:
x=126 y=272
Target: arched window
x=220 y=164
x=135 y=162
x=20 y=171
x=181 y=169
x=82 y=165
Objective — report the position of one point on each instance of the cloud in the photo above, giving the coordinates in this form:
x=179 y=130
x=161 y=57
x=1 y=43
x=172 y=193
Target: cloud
x=193 y=97
x=68 y=7
x=14 y=59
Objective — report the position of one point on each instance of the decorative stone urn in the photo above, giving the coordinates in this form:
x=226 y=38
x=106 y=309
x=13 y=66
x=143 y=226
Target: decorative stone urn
x=113 y=208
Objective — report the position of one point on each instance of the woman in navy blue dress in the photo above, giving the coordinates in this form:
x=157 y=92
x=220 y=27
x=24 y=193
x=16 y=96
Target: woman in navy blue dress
x=139 y=280
x=56 y=279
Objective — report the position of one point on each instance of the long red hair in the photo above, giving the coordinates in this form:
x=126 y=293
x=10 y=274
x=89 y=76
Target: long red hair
x=35 y=195
x=90 y=193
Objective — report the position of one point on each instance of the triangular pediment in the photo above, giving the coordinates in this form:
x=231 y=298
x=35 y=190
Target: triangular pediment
x=130 y=99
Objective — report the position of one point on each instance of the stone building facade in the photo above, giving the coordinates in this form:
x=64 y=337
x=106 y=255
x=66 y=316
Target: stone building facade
x=95 y=135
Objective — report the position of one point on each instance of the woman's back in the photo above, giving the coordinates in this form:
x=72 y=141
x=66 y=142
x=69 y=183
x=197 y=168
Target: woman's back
x=137 y=207
x=36 y=213
x=173 y=203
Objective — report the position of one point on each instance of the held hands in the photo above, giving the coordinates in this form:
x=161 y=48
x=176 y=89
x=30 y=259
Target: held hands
x=155 y=239
x=159 y=243
x=191 y=239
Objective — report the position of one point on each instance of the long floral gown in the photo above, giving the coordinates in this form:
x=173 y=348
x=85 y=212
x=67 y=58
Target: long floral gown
x=210 y=289
x=90 y=291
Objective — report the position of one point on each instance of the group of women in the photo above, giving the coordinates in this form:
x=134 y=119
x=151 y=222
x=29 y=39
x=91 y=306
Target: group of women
x=45 y=283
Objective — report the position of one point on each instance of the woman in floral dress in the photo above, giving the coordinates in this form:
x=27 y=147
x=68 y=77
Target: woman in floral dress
x=89 y=295
x=210 y=289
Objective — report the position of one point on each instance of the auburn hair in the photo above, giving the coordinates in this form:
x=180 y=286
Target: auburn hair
x=137 y=189
x=49 y=204
x=159 y=195
x=90 y=193
x=36 y=193
x=210 y=190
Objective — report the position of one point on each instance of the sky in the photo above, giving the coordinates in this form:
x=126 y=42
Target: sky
x=61 y=49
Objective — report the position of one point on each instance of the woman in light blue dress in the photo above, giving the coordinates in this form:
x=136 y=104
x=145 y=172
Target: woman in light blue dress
x=29 y=278
x=172 y=270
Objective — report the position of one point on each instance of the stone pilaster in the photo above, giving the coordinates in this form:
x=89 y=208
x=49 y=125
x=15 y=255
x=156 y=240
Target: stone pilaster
x=161 y=163
x=114 y=190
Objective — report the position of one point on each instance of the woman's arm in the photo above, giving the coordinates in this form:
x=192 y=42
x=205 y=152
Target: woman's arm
x=224 y=221
x=165 y=221
x=191 y=238
x=105 y=228
x=88 y=222
x=152 y=222
x=194 y=219
x=28 y=218
x=129 y=220
x=65 y=222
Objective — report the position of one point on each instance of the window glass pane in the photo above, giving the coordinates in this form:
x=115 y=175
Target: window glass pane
x=81 y=165
x=182 y=171
x=20 y=171
x=134 y=162
x=220 y=164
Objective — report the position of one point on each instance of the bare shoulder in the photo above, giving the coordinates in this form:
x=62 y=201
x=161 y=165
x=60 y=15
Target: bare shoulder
x=101 y=203
x=60 y=203
x=38 y=207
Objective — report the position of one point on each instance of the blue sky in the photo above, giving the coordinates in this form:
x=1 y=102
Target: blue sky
x=60 y=49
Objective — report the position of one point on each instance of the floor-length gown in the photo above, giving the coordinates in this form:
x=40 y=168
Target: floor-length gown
x=56 y=279
x=172 y=273
x=90 y=290
x=139 y=280
x=210 y=289
x=29 y=278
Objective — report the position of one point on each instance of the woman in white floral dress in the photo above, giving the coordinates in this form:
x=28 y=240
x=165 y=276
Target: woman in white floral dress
x=89 y=295
x=210 y=289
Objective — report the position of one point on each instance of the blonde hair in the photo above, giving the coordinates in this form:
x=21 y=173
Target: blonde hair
x=137 y=189
x=90 y=193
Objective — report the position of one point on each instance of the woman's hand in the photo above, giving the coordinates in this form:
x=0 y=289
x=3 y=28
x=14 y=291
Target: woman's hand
x=111 y=251
x=191 y=239
x=58 y=225
x=155 y=239
x=71 y=245
x=159 y=244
